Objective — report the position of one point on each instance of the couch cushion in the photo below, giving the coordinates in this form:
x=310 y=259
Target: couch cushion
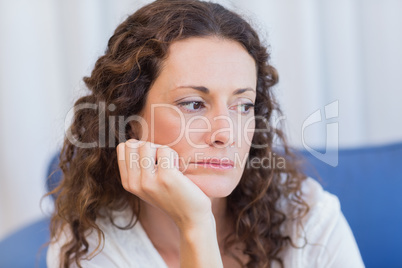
x=368 y=182
x=26 y=247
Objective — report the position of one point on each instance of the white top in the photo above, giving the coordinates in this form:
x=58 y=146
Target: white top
x=330 y=242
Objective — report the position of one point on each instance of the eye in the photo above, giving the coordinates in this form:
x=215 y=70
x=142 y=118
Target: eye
x=192 y=106
x=245 y=108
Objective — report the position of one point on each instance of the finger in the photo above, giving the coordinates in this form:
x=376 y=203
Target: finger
x=169 y=175
x=147 y=161
x=167 y=158
x=132 y=164
x=122 y=162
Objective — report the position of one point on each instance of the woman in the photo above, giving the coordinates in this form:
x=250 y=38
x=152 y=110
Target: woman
x=195 y=180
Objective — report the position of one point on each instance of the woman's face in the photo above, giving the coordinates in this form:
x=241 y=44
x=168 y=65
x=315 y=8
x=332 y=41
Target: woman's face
x=201 y=106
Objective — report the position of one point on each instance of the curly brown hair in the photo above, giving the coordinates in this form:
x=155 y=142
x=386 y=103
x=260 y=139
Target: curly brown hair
x=121 y=79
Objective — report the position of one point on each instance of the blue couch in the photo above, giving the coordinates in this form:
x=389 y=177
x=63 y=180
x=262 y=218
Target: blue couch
x=368 y=182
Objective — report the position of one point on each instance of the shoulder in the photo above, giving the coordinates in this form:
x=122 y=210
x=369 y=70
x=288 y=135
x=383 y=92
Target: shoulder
x=322 y=237
x=323 y=211
x=324 y=207
x=119 y=248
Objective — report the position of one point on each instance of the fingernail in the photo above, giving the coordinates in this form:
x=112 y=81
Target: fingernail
x=155 y=145
x=134 y=143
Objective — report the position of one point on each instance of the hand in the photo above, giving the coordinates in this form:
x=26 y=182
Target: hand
x=162 y=184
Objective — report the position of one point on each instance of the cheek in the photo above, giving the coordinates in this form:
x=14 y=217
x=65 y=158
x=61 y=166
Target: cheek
x=248 y=129
x=164 y=129
x=196 y=129
x=167 y=127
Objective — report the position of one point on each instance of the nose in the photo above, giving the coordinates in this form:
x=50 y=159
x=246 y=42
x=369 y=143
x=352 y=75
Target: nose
x=222 y=132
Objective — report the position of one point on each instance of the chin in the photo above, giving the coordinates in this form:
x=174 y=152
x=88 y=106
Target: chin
x=214 y=186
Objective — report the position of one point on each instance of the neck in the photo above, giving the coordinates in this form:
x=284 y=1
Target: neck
x=164 y=233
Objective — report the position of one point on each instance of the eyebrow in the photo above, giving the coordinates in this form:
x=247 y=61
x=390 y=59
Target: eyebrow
x=206 y=90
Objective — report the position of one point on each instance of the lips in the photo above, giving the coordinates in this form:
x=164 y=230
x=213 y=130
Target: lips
x=223 y=162
x=216 y=163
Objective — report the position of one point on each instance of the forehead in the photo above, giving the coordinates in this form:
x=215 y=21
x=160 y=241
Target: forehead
x=211 y=62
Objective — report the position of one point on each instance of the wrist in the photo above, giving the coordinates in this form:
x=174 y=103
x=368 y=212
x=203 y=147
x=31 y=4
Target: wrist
x=199 y=245
x=201 y=226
